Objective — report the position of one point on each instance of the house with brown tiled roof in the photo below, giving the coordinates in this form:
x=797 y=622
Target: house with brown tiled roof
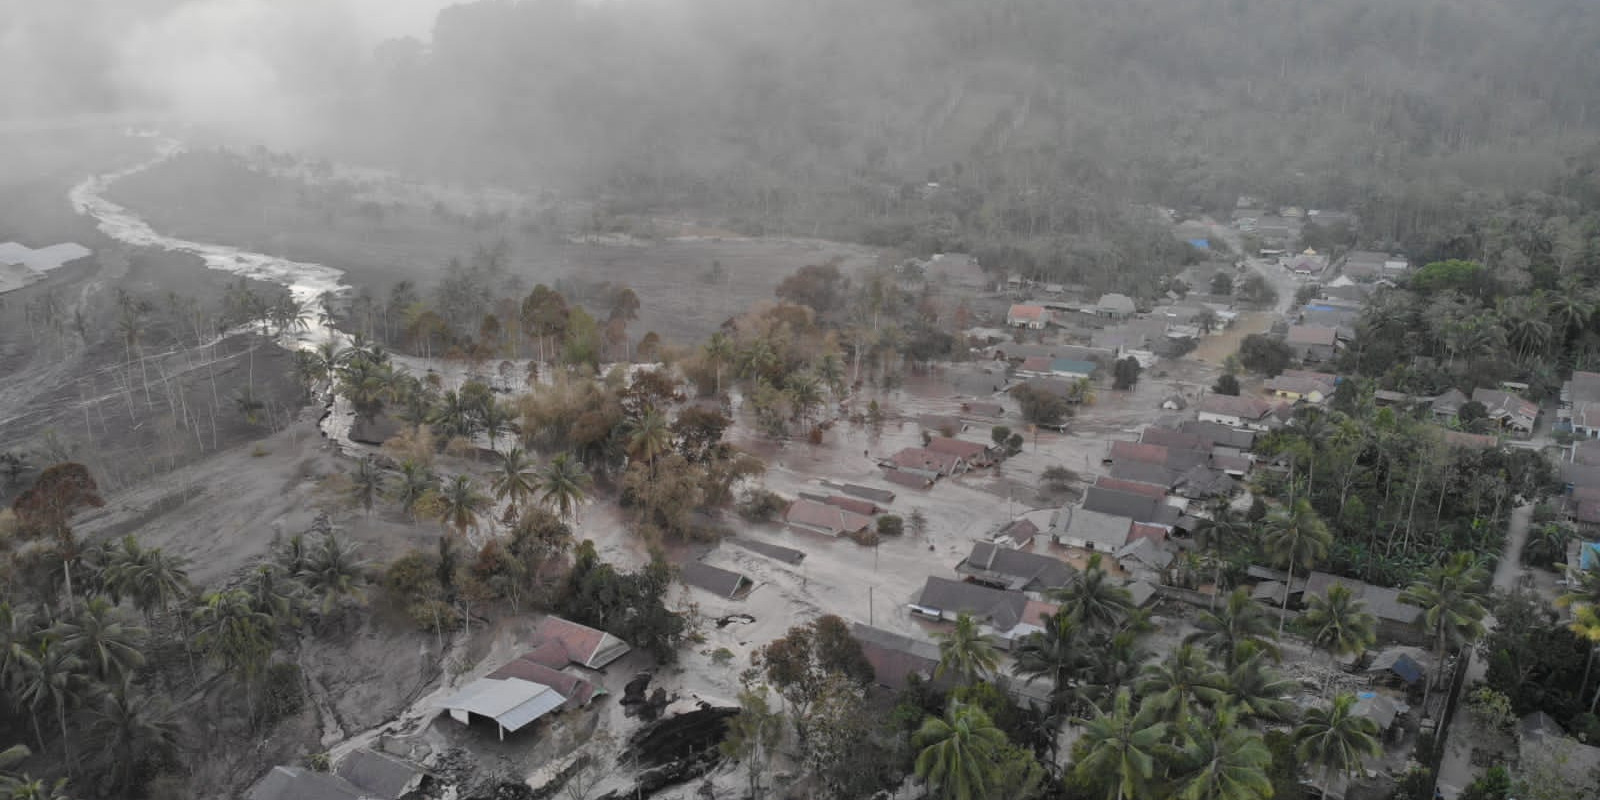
x=1135 y=451
x=929 y=462
x=1511 y=411
x=1133 y=487
x=975 y=454
x=1028 y=316
x=579 y=644
x=824 y=518
x=1312 y=343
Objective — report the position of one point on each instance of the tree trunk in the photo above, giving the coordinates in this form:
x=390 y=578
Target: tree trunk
x=66 y=741
x=1288 y=585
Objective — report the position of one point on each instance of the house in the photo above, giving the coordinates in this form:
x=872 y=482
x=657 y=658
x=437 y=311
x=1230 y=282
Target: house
x=380 y=775
x=1297 y=385
x=1395 y=267
x=579 y=644
x=1034 y=367
x=1136 y=451
x=825 y=518
x=1144 y=472
x=928 y=462
x=1017 y=533
x=513 y=703
x=1028 y=316
x=1364 y=265
x=1312 y=343
x=577 y=691
x=1309 y=262
x=945 y=599
x=1116 y=306
x=1004 y=568
x=720 y=582
x=1402 y=662
x=1397 y=621
x=1138 y=507
x=1235 y=412
x=1580 y=404
x=865 y=508
x=1446 y=406
x=1510 y=411
x=910 y=480
x=1090 y=530
x=882 y=497
x=894 y=658
x=1173 y=439
x=1145 y=559
x=1220 y=434
x=942 y=424
x=1132 y=487
x=787 y=555
x=975 y=454
x=1200 y=482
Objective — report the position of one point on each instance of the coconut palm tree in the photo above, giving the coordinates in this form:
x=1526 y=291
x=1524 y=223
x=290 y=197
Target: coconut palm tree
x=957 y=753
x=719 y=351
x=460 y=504
x=97 y=635
x=366 y=484
x=1092 y=599
x=236 y=636
x=496 y=419
x=332 y=573
x=19 y=629
x=1224 y=531
x=1055 y=653
x=26 y=787
x=1338 y=624
x=563 y=484
x=130 y=732
x=515 y=479
x=1178 y=682
x=1586 y=626
x=411 y=485
x=147 y=576
x=1121 y=747
x=649 y=437
x=830 y=370
x=1260 y=692
x=805 y=393
x=52 y=679
x=1452 y=602
x=1336 y=740
x=966 y=651
x=1220 y=760
x=453 y=415
x=1295 y=537
x=1234 y=632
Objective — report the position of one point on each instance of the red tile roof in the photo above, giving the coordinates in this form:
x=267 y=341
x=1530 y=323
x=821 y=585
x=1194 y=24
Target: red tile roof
x=1134 y=451
x=957 y=447
x=1135 y=487
x=1154 y=533
x=1036 y=610
x=577 y=690
x=924 y=459
x=830 y=518
x=1025 y=312
x=581 y=642
x=1234 y=406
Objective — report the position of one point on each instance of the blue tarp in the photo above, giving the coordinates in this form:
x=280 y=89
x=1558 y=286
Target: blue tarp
x=1589 y=555
x=1200 y=244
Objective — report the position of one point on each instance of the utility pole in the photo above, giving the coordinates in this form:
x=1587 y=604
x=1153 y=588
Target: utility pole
x=870 y=620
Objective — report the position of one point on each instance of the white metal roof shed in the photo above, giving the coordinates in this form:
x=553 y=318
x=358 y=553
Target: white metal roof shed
x=511 y=702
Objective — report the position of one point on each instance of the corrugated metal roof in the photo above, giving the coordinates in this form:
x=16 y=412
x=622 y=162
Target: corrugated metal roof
x=511 y=702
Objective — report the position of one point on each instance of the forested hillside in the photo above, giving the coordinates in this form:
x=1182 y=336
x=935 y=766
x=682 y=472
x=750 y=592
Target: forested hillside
x=1041 y=119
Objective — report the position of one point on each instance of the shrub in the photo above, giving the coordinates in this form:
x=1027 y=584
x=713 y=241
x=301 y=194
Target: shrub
x=891 y=525
x=761 y=505
x=282 y=692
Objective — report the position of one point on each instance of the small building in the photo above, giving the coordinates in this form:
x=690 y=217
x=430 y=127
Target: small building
x=1144 y=472
x=1235 y=411
x=1028 y=316
x=1136 y=451
x=1145 y=559
x=945 y=599
x=1137 y=507
x=1364 y=265
x=975 y=454
x=1017 y=533
x=1015 y=570
x=579 y=644
x=1156 y=491
x=1510 y=411
x=512 y=703
x=865 y=508
x=825 y=518
x=1116 y=306
x=1309 y=262
x=1090 y=530
x=894 y=658
x=1447 y=405
x=1312 y=343
x=1312 y=387
x=1403 y=663
x=379 y=775
x=928 y=462
x=720 y=582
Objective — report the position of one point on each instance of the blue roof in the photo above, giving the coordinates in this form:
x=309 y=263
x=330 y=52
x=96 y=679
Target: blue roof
x=1408 y=670
x=1200 y=244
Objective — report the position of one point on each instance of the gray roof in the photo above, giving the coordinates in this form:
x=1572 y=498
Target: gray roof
x=718 y=581
x=1146 y=552
x=1220 y=434
x=876 y=495
x=1143 y=472
x=1317 y=583
x=510 y=702
x=893 y=657
x=787 y=555
x=380 y=774
x=298 y=783
x=1001 y=609
x=1379 y=709
x=1384 y=603
x=1137 y=507
x=1017 y=569
x=1201 y=481
x=1105 y=531
x=1448 y=403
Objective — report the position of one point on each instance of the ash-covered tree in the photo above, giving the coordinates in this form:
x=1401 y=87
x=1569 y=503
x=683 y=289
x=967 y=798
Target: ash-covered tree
x=799 y=664
x=1125 y=373
x=1227 y=384
x=1264 y=354
x=629 y=605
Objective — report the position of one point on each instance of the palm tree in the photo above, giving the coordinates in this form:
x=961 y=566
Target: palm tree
x=1586 y=626
x=1238 y=630
x=234 y=635
x=147 y=576
x=409 y=487
x=830 y=370
x=719 y=351
x=274 y=596
x=366 y=484
x=1338 y=624
x=958 y=752
x=496 y=419
x=130 y=732
x=1219 y=760
x=1092 y=600
x=460 y=503
x=1121 y=746
x=453 y=415
x=1336 y=740
x=19 y=630
x=51 y=677
x=332 y=572
x=1296 y=537
x=966 y=651
x=514 y=481
x=649 y=437
x=1217 y=536
x=563 y=484
x=805 y=393
x=1180 y=680
x=1055 y=653
x=1258 y=691
x=1452 y=605
x=26 y=787
x=96 y=635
